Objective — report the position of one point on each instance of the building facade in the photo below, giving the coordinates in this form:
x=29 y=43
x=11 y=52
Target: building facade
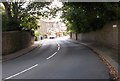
x=51 y=27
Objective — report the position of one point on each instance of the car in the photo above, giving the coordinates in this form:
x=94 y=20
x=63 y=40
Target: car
x=52 y=36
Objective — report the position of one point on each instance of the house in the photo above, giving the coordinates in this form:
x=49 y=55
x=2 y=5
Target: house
x=51 y=27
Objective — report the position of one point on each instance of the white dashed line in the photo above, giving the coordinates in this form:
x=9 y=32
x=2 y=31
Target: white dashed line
x=58 y=48
x=54 y=53
x=22 y=71
x=51 y=55
x=58 y=45
x=33 y=65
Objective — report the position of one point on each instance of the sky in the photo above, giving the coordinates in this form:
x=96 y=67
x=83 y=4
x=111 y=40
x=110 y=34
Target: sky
x=56 y=3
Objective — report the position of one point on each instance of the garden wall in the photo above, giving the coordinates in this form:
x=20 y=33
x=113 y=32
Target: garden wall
x=13 y=41
x=107 y=36
x=0 y=45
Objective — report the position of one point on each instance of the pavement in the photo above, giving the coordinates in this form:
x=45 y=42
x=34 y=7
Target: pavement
x=110 y=56
x=59 y=58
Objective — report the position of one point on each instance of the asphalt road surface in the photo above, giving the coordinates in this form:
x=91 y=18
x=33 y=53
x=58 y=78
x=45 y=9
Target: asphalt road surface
x=59 y=58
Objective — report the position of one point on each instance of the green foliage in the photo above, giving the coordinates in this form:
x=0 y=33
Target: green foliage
x=37 y=33
x=65 y=33
x=13 y=25
x=8 y=25
x=17 y=17
x=34 y=8
x=29 y=23
x=86 y=17
x=4 y=23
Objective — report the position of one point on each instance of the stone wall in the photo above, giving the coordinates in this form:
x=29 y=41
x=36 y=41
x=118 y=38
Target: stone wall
x=107 y=36
x=0 y=45
x=15 y=40
x=119 y=39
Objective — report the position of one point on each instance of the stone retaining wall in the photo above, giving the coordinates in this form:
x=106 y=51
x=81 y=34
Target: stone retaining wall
x=13 y=41
x=107 y=36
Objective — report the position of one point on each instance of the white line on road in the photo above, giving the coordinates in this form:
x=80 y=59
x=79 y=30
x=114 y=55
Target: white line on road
x=58 y=45
x=51 y=55
x=54 y=53
x=58 y=48
x=22 y=71
x=33 y=65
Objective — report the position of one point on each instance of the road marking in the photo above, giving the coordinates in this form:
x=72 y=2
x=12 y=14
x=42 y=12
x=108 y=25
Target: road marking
x=58 y=48
x=22 y=71
x=51 y=55
x=54 y=53
x=58 y=45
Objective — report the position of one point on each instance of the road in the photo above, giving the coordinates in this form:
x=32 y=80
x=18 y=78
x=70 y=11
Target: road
x=59 y=58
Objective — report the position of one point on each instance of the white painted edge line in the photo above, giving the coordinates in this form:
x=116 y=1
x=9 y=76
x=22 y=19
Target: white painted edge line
x=51 y=55
x=22 y=71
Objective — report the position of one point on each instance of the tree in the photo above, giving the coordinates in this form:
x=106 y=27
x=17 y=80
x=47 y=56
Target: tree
x=86 y=17
x=15 y=12
x=29 y=23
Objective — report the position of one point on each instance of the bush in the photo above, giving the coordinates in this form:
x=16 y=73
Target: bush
x=28 y=23
x=9 y=25
x=4 y=23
